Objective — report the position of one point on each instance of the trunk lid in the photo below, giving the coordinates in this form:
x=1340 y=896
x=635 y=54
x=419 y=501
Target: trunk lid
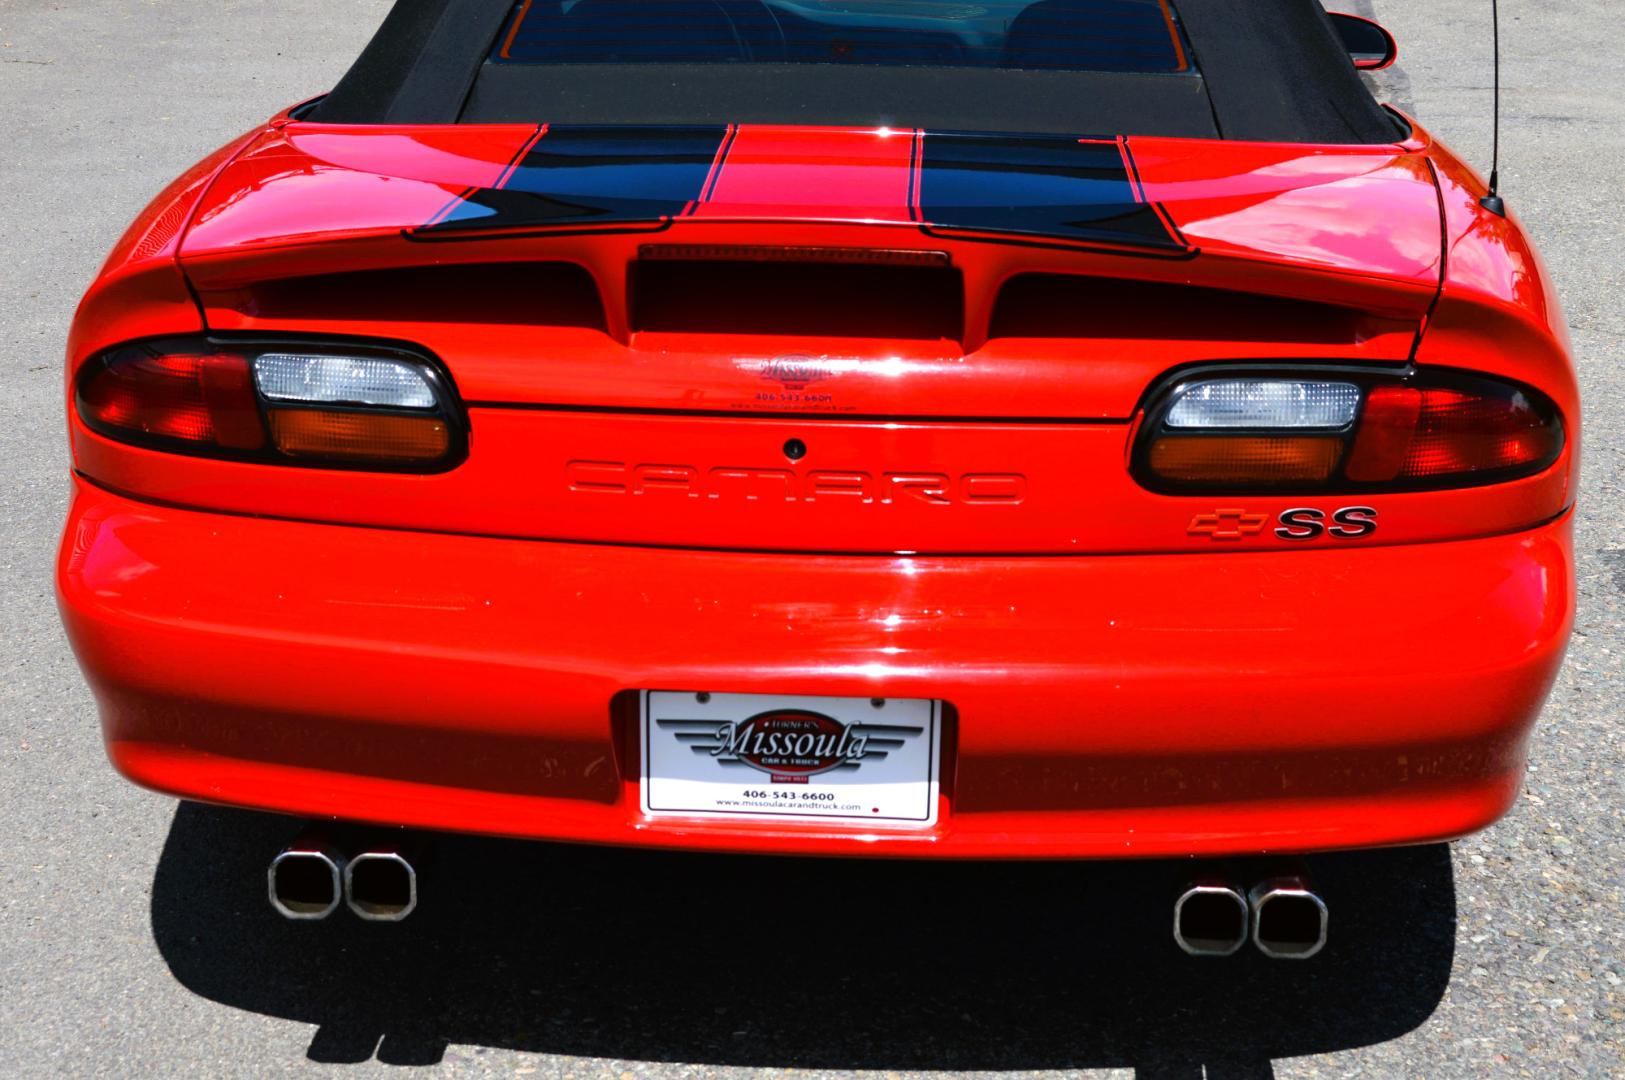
x=614 y=268
x=958 y=329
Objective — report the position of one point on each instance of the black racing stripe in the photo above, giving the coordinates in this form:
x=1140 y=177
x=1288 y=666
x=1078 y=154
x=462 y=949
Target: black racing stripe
x=1054 y=189
x=593 y=176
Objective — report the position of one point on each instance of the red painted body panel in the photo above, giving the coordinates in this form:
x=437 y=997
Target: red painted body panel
x=140 y=290
x=864 y=175
x=313 y=199
x=964 y=526
x=1497 y=308
x=724 y=482
x=1265 y=203
x=1117 y=706
x=1048 y=371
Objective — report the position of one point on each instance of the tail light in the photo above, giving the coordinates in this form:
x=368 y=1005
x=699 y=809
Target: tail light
x=364 y=408
x=1355 y=431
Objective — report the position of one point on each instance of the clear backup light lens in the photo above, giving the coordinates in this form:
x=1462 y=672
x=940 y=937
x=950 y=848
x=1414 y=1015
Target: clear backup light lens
x=1265 y=403
x=343 y=380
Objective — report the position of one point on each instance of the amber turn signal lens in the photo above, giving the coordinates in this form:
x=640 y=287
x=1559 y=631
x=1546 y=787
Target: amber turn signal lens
x=1245 y=459
x=359 y=436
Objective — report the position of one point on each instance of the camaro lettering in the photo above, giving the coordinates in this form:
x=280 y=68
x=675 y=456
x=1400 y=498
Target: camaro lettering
x=746 y=484
x=752 y=484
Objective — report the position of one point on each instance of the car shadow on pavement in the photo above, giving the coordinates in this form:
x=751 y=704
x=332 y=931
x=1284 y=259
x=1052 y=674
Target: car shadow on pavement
x=829 y=964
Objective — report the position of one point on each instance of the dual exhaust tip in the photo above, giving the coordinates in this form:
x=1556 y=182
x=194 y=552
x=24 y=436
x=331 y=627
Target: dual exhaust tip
x=1283 y=916
x=309 y=879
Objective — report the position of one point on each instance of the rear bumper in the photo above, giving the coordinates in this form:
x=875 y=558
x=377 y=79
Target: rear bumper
x=1110 y=706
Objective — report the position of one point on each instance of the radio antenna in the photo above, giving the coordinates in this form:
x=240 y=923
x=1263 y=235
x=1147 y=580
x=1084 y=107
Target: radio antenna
x=1492 y=201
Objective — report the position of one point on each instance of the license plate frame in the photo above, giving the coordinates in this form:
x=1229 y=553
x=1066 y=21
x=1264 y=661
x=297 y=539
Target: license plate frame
x=861 y=763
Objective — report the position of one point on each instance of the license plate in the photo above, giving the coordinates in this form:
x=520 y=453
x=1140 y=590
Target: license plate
x=757 y=756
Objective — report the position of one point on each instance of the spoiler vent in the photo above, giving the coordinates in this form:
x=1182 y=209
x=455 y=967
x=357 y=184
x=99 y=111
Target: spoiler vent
x=820 y=299
x=516 y=294
x=790 y=253
x=1069 y=306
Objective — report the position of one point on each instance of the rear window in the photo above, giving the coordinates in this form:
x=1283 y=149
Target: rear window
x=1142 y=36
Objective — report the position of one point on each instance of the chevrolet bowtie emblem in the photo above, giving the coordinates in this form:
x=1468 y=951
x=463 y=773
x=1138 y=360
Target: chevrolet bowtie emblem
x=1227 y=524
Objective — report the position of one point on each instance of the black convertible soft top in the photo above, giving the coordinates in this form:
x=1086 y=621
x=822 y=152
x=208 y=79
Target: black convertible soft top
x=1267 y=70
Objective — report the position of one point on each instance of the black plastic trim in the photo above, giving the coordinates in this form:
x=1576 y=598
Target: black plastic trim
x=1072 y=103
x=420 y=66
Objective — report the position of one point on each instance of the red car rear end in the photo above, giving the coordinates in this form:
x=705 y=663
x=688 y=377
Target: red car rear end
x=838 y=489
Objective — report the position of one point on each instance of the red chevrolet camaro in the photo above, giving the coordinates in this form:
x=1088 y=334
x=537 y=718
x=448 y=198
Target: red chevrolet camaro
x=1021 y=429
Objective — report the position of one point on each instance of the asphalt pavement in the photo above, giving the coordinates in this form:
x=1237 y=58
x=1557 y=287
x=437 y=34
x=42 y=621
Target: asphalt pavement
x=134 y=937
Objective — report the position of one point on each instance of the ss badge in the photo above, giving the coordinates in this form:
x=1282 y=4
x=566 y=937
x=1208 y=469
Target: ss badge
x=1307 y=523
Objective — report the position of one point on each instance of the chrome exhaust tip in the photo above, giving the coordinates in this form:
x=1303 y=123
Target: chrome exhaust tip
x=303 y=881
x=1210 y=919
x=1289 y=919
x=381 y=886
